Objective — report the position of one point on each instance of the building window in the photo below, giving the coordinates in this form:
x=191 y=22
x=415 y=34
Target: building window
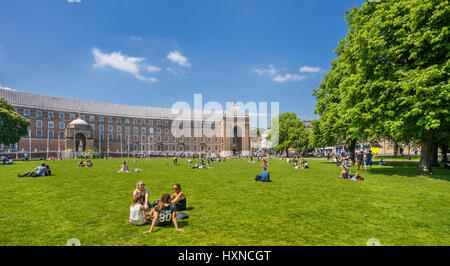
x=216 y=139
x=151 y=147
x=188 y=147
x=51 y=124
x=61 y=134
x=110 y=120
x=39 y=123
x=135 y=130
x=135 y=146
x=166 y=147
x=110 y=128
x=101 y=119
x=110 y=137
x=150 y=123
x=127 y=129
x=144 y=129
x=166 y=130
x=38 y=133
x=174 y=139
x=181 y=139
x=143 y=138
x=101 y=136
x=181 y=147
x=26 y=112
x=91 y=118
x=127 y=137
x=166 y=123
x=118 y=120
x=216 y=148
x=135 y=122
x=166 y=138
x=159 y=147
x=127 y=121
x=150 y=130
x=119 y=137
x=93 y=127
x=72 y=117
x=174 y=148
x=50 y=115
x=150 y=139
x=188 y=139
x=83 y=117
x=195 y=139
x=158 y=138
x=195 y=147
x=119 y=128
x=143 y=147
x=158 y=130
x=51 y=134
x=209 y=148
x=61 y=116
x=101 y=127
x=38 y=113
x=158 y=122
x=135 y=138
x=143 y=122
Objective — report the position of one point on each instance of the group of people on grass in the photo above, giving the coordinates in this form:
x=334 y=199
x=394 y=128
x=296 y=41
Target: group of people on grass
x=87 y=163
x=6 y=161
x=165 y=211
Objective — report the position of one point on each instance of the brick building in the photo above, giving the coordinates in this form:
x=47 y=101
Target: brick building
x=62 y=127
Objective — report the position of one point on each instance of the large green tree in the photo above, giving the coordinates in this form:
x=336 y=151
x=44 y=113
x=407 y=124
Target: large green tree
x=288 y=131
x=12 y=125
x=394 y=73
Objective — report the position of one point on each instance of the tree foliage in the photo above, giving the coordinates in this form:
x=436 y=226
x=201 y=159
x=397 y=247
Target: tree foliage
x=391 y=76
x=290 y=131
x=12 y=125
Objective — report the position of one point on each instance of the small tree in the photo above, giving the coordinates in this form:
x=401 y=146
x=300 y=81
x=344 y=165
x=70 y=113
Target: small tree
x=12 y=125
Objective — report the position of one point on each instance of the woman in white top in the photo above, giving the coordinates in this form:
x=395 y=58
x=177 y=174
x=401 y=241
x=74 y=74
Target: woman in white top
x=137 y=211
x=143 y=192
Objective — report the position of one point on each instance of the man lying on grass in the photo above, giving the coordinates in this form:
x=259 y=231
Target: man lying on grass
x=164 y=213
x=41 y=170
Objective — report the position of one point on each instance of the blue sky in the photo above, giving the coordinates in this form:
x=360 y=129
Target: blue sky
x=155 y=53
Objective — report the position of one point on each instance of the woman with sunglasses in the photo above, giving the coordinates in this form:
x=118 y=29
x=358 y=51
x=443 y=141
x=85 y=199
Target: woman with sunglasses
x=143 y=192
x=178 y=198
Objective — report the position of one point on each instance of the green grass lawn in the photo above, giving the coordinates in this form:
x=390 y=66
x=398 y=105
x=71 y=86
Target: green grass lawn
x=226 y=206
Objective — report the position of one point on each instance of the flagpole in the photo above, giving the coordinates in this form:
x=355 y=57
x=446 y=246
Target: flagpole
x=48 y=139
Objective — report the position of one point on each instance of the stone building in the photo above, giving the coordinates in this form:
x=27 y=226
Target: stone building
x=62 y=127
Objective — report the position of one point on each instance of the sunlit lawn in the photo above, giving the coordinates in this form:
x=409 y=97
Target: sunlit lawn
x=226 y=206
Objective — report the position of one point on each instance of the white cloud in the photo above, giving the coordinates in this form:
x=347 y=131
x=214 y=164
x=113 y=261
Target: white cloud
x=120 y=62
x=178 y=58
x=307 y=69
x=269 y=71
x=152 y=69
x=6 y=88
x=74 y=1
x=288 y=77
x=171 y=70
x=136 y=38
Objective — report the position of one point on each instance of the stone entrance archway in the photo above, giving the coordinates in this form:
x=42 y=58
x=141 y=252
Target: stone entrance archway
x=80 y=142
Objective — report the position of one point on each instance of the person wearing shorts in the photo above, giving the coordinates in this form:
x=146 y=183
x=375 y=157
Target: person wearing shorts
x=368 y=161
x=360 y=159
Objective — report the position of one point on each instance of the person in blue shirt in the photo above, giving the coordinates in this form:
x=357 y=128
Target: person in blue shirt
x=265 y=176
x=368 y=160
x=4 y=159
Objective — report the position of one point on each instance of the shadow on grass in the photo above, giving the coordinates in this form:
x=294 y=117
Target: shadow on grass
x=408 y=169
x=189 y=208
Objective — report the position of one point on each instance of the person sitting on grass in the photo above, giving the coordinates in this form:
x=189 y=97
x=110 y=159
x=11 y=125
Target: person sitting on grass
x=143 y=192
x=164 y=213
x=295 y=166
x=48 y=172
x=38 y=171
x=264 y=176
x=175 y=161
x=124 y=168
x=189 y=160
x=264 y=163
x=381 y=162
x=81 y=163
x=304 y=165
x=178 y=198
x=11 y=161
x=137 y=211
x=4 y=159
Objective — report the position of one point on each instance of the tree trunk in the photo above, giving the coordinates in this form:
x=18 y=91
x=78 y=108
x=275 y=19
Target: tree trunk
x=395 y=148
x=352 y=148
x=426 y=156
x=435 y=161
